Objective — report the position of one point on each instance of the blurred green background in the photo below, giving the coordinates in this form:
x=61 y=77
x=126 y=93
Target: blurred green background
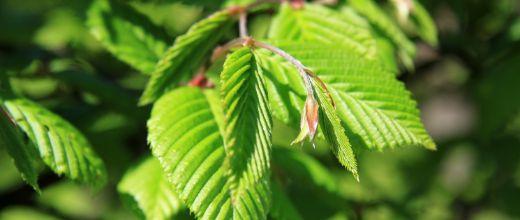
x=468 y=90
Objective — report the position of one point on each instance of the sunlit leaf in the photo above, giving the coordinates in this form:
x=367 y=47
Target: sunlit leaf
x=247 y=134
x=185 y=132
x=147 y=185
x=186 y=55
x=375 y=108
x=61 y=146
x=424 y=24
x=384 y=24
x=335 y=134
x=315 y=24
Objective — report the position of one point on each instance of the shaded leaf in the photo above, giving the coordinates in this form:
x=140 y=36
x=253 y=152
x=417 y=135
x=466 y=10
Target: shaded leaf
x=229 y=3
x=21 y=213
x=497 y=109
x=282 y=208
x=112 y=95
x=71 y=200
x=24 y=156
x=303 y=168
x=127 y=34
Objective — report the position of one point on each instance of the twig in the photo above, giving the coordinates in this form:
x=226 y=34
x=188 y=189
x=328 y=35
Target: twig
x=302 y=70
x=220 y=51
x=242 y=24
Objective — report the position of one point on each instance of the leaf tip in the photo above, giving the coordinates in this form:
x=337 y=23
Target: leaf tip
x=430 y=145
x=33 y=184
x=144 y=100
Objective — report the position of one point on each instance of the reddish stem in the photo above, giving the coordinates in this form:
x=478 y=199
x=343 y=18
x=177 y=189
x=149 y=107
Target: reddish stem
x=8 y=116
x=297 y=4
x=200 y=80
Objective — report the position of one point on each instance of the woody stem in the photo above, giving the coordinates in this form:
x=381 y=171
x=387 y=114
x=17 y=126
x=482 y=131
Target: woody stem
x=242 y=24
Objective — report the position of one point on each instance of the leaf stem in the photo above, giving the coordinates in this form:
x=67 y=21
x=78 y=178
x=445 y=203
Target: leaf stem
x=302 y=70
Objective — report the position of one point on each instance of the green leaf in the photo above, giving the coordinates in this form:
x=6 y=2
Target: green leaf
x=127 y=34
x=10 y=178
x=320 y=25
x=23 y=213
x=247 y=134
x=229 y=3
x=61 y=146
x=424 y=24
x=493 y=92
x=282 y=209
x=385 y=48
x=302 y=167
x=186 y=55
x=24 y=156
x=146 y=184
x=185 y=132
x=375 y=108
x=386 y=54
x=71 y=200
x=381 y=22
x=334 y=132
x=114 y=96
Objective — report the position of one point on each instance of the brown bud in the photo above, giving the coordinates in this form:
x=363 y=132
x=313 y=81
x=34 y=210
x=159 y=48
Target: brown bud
x=311 y=116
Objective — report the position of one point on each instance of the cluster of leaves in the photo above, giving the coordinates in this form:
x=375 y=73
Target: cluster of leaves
x=215 y=147
x=213 y=150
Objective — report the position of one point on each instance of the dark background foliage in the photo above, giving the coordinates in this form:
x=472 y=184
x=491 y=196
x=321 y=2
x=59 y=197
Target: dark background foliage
x=468 y=89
